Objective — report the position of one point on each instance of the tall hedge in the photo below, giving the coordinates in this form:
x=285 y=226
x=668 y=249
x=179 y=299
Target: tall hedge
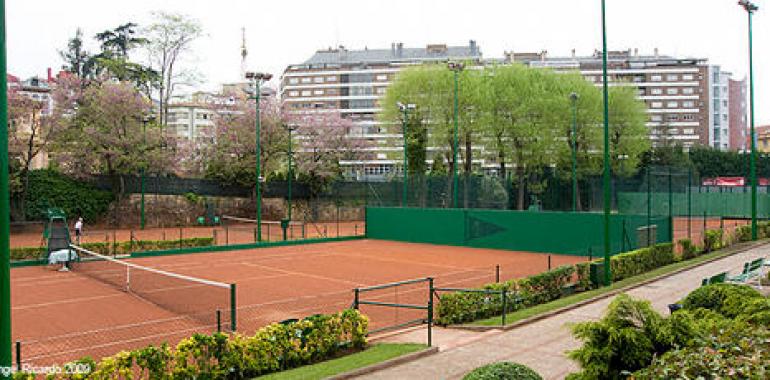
x=48 y=188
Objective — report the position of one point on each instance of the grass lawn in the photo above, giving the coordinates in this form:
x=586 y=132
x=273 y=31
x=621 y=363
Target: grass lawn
x=575 y=298
x=372 y=355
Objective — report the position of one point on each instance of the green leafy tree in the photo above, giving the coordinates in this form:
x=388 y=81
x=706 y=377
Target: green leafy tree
x=629 y=136
x=77 y=60
x=113 y=62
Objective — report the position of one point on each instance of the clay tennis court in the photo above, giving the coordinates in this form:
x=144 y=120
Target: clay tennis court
x=64 y=316
x=693 y=228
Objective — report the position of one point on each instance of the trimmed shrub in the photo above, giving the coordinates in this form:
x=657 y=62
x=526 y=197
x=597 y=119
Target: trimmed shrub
x=689 y=250
x=460 y=307
x=712 y=240
x=726 y=299
x=642 y=260
x=743 y=233
x=503 y=371
x=272 y=348
x=544 y=287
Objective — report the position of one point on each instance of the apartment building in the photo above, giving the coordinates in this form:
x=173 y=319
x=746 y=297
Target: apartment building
x=737 y=116
x=352 y=82
x=192 y=118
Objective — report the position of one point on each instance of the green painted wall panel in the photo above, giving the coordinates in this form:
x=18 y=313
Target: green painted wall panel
x=547 y=232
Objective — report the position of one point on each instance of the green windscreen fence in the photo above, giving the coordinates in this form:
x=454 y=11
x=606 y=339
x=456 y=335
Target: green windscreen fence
x=579 y=234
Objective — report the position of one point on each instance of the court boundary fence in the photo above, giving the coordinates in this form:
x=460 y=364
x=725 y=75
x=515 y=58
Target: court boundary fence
x=428 y=307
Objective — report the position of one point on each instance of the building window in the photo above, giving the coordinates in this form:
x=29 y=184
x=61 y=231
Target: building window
x=672 y=91
x=688 y=131
x=656 y=105
x=672 y=104
x=306 y=80
x=672 y=77
x=382 y=77
x=688 y=90
x=657 y=91
x=381 y=90
x=306 y=93
x=331 y=79
x=672 y=117
x=318 y=92
x=318 y=79
x=688 y=104
x=293 y=93
x=656 y=118
x=331 y=91
x=688 y=77
x=656 y=78
x=688 y=117
x=293 y=80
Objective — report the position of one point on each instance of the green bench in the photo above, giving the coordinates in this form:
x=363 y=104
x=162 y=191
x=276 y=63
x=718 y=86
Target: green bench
x=750 y=270
x=715 y=279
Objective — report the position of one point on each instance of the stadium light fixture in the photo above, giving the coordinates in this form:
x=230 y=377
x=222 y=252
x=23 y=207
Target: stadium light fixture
x=257 y=80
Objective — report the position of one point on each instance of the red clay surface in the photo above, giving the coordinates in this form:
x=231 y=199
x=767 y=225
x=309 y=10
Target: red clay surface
x=223 y=235
x=63 y=316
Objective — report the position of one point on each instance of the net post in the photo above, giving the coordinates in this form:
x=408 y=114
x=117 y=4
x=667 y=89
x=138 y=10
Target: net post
x=590 y=254
x=214 y=236
x=18 y=355
x=356 y=293
x=303 y=231
x=497 y=273
x=114 y=243
x=505 y=304
x=219 y=321
x=180 y=237
x=338 y=220
x=233 y=315
x=227 y=235
x=689 y=205
x=255 y=235
x=430 y=311
x=549 y=262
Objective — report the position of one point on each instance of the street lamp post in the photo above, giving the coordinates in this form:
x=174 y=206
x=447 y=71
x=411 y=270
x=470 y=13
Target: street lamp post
x=574 y=98
x=287 y=222
x=258 y=79
x=750 y=9
x=456 y=67
x=405 y=108
x=606 y=179
x=146 y=119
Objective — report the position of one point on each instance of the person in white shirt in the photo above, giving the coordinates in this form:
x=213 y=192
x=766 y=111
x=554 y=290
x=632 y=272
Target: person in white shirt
x=78 y=229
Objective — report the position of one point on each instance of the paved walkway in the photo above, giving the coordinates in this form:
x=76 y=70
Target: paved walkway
x=542 y=345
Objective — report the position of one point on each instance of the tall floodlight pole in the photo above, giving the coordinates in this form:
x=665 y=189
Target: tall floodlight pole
x=574 y=98
x=456 y=67
x=405 y=108
x=258 y=79
x=606 y=182
x=5 y=216
x=750 y=9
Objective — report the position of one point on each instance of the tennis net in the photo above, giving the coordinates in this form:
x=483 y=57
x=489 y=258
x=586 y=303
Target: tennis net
x=211 y=303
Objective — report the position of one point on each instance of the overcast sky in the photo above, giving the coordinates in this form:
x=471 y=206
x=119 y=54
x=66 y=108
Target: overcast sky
x=279 y=33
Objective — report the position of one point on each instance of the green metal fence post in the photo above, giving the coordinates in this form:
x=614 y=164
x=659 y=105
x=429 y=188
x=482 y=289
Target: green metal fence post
x=670 y=205
x=430 y=311
x=689 y=204
x=219 y=321
x=606 y=182
x=505 y=305
x=233 y=307
x=649 y=207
